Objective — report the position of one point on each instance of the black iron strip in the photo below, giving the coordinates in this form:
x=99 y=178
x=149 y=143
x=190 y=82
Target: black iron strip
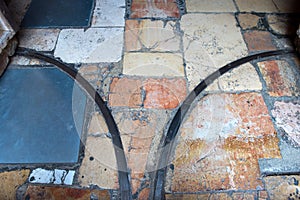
x=167 y=145
x=124 y=183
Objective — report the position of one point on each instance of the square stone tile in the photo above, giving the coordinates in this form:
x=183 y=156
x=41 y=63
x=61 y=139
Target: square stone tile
x=259 y=41
x=125 y=92
x=164 y=93
x=280 y=77
x=38 y=39
x=90 y=46
x=153 y=64
x=99 y=164
x=109 y=13
x=155 y=9
x=256 y=6
x=207 y=49
x=148 y=35
x=210 y=6
x=220 y=143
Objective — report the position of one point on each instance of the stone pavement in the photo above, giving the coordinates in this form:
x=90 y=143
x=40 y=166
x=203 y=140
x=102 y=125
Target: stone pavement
x=239 y=140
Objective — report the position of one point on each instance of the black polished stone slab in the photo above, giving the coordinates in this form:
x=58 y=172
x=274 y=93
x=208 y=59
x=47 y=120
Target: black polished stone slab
x=41 y=116
x=58 y=13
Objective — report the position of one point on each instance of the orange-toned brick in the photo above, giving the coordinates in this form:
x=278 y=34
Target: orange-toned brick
x=125 y=92
x=154 y=8
x=259 y=41
x=144 y=194
x=164 y=93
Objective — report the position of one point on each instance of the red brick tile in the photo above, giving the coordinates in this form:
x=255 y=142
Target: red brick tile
x=154 y=8
x=259 y=41
x=164 y=93
x=144 y=194
x=280 y=78
x=125 y=92
x=48 y=192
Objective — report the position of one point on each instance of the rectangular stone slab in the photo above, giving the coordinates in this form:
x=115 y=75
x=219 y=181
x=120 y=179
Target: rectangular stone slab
x=41 y=116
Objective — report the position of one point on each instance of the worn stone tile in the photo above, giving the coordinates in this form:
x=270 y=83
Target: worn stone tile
x=210 y=6
x=256 y=6
x=10 y=181
x=125 y=92
x=90 y=46
x=56 y=176
x=207 y=49
x=248 y=21
x=282 y=25
x=243 y=78
x=287 y=6
x=221 y=142
x=155 y=9
x=259 y=41
x=263 y=195
x=108 y=13
x=49 y=192
x=287 y=118
x=38 y=39
x=148 y=35
x=20 y=60
x=283 y=187
x=164 y=93
x=243 y=196
x=153 y=64
x=99 y=164
x=280 y=78
x=97 y=125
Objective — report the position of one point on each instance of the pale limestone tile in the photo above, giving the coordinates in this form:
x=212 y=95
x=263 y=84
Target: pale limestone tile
x=38 y=39
x=90 y=46
x=99 y=164
x=210 y=6
x=242 y=78
x=151 y=35
x=153 y=64
x=256 y=6
x=207 y=48
x=109 y=13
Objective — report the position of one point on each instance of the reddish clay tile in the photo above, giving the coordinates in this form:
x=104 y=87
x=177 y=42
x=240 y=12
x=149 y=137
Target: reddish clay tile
x=259 y=41
x=164 y=93
x=59 y=193
x=154 y=8
x=125 y=92
x=280 y=78
x=144 y=194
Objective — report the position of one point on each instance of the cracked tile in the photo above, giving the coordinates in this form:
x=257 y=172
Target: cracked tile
x=90 y=46
x=108 y=13
x=153 y=64
x=207 y=49
x=210 y=6
x=256 y=6
x=148 y=35
x=280 y=77
x=38 y=39
x=56 y=176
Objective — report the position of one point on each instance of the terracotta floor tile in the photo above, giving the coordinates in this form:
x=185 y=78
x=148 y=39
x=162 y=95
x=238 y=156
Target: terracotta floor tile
x=256 y=6
x=150 y=35
x=164 y=93
x=280 y=77
x=154 y=8
x=210 y=6
x=259 y=41
x=130 y=95
x=153 y=64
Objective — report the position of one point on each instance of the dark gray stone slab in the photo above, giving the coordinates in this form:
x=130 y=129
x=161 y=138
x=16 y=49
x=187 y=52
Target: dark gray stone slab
x=58 y=13
x=41 y=116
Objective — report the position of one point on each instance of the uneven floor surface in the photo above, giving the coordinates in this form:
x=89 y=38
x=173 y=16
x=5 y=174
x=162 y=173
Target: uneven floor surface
x=239 y=140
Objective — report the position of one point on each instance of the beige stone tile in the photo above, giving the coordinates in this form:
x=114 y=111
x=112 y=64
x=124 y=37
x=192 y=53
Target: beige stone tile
x=153 y=64
x=207 y=49
x=283 y=187
x=210 y=6
x=151 y=36
x=20 y=60
x=10 y=181
x=248 y=21
x=99 y=164
x=97 y=125
x=38 y=39
x=256 y=6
